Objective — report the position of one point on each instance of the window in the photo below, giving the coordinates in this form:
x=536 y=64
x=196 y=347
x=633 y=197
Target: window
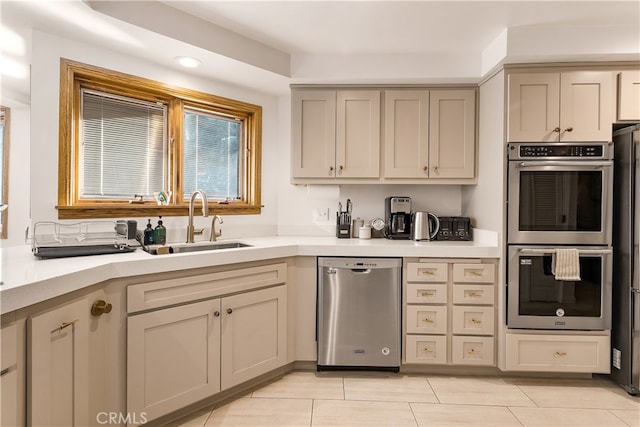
x=5 y=117
x=125 y=139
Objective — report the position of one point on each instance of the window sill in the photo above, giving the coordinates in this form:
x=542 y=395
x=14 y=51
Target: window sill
x=116 y=210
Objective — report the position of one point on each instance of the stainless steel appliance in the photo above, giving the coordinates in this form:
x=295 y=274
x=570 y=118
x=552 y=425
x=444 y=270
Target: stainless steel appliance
x=424 y=226
x=560 y=193
x=398 y=217
x=625 y=328
x=536 y=300
x=359 y=313
x=454 y=228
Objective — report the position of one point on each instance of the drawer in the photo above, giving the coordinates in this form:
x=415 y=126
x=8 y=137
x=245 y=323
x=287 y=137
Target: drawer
x=473 y=320
x=474 y=273
x=472 y=351
x=437 y=272
x=473 y=294
x=426 y=319
x=427 y=293
x=558 y=353
x=426 y=349
x=163 y=293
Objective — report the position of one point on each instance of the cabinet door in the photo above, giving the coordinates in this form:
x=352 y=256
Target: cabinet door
x=313 y=118
x=534 y=107
x=9 y=376
x=254 y=334
x=586 y=106
x=629 y=95
x=406 y=133
x=452 y=127
x=58 y=368
x=358 y=134
x=173 y=358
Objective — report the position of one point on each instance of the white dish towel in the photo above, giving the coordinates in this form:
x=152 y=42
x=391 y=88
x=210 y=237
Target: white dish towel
x=565 y=264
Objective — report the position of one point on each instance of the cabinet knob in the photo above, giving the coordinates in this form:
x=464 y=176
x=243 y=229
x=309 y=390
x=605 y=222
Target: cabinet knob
x=341 y=168
x=330 y=168
x=435 y=168
x=569 y=129
x=425 y=168
x=216 y=313
x=229 y=311
x=100 y=307
x=556 y=130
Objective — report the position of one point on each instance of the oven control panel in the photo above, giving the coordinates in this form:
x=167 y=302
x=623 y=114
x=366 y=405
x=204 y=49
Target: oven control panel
x=560 y=151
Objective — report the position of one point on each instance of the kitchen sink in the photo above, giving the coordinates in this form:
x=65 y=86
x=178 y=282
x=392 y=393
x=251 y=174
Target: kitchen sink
x=195 y=247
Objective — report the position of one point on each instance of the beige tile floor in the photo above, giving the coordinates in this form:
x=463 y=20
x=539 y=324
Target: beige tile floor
x=311 y=399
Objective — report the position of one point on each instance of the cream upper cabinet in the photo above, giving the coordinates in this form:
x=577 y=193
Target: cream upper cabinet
x=358 y=134
x=336 y=134
x=568 y=106
x=452 y=127
x=58 y=372
x=314 y=133
x=429 y=134
x=406 y=134
x=629 y=95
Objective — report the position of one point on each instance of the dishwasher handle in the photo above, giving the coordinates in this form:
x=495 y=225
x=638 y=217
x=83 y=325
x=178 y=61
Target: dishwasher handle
x=361 y=270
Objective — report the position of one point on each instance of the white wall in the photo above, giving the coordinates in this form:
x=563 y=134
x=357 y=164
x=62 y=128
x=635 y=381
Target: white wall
x=18 y=218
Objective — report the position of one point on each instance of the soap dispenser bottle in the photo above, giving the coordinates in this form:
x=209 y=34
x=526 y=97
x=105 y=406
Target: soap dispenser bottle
x=148 y=234
x=160 y=233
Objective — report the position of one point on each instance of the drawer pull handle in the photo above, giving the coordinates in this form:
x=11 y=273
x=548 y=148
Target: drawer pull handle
x=559 y=354
x=427 y=350
x=4 y=372
x=474 y=294
x=427 y=294
x=427 y=320
x=476 y=273
x=428 y=271
x=476 y=321
x=64 y=325
x=472 y=351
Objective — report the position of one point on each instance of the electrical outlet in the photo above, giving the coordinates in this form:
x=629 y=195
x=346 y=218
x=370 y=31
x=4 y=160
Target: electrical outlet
x=321 y=214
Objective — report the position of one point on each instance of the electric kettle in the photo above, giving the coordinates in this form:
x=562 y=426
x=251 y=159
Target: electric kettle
x=424 y=226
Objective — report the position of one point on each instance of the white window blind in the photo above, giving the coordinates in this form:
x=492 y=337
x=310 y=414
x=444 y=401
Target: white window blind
x=123 y=147
x=212 y=156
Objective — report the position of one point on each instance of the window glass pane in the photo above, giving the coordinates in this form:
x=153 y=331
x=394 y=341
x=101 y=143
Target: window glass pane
x=123 y=147
x=212 y=156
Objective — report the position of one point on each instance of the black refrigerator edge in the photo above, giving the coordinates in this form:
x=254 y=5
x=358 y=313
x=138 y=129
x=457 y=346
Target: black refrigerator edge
x=625 y=327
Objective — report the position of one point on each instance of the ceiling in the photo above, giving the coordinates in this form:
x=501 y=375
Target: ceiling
x=269 y=44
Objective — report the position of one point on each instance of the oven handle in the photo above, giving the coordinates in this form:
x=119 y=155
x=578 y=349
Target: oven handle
x=551 y=251
x=604 y=163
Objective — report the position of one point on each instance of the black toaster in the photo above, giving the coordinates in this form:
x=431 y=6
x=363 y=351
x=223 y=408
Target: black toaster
x=454 y=228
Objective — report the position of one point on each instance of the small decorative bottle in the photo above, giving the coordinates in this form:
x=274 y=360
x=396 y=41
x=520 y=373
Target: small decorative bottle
x=160 y=233
x=148 y=234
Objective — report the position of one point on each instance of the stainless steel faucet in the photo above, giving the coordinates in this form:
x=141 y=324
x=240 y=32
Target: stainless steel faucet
x=205 y=212
x=215 y=234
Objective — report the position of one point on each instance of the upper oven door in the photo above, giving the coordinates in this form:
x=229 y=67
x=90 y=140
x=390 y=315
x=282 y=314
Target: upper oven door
x=560 y=201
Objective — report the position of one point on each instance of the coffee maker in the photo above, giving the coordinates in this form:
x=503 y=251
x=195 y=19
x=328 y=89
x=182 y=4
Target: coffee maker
x=397 y=212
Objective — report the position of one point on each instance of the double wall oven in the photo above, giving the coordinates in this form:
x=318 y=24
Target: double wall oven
x=559 y=197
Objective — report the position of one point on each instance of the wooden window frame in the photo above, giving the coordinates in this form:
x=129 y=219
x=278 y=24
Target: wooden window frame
x=75 y=76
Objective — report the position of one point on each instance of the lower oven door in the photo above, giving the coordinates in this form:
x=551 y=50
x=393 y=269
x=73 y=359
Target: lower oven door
x=536 y=300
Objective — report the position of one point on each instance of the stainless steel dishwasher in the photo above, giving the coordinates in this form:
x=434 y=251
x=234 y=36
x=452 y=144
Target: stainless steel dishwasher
x=359 y=313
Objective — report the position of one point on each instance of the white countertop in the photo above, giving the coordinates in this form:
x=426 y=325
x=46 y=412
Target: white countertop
x=27 y=280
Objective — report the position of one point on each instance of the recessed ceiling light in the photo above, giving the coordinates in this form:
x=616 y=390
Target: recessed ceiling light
x=187 y=61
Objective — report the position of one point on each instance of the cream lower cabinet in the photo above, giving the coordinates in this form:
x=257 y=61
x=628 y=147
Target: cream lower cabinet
x=58 y=366
x=180 y=354
x=9 y=369
x=558 y=353
x=449 y=312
